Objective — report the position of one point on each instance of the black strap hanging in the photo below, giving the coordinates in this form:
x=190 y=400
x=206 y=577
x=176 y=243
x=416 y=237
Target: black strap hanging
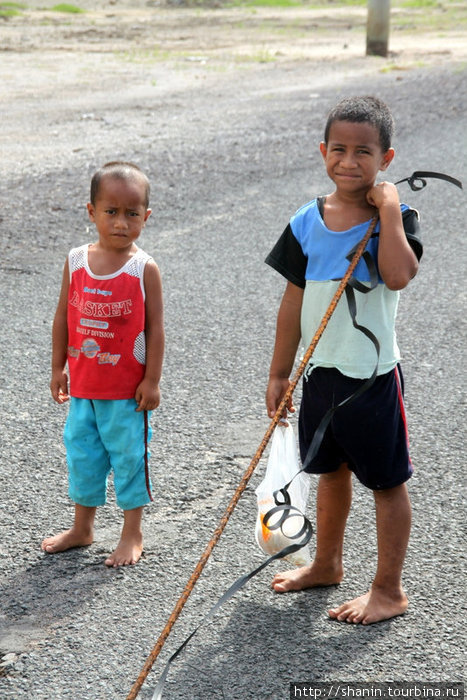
x=417 y=180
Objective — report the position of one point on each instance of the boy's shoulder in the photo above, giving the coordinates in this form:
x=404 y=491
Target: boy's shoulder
x=77 y=257
x=141 y=254
x=309 y=207
x=307 y=218
x=137 y=263
x=78 y=249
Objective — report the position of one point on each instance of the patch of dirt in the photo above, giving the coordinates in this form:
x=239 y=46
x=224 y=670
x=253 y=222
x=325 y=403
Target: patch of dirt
x=60 y=67
x=224 y=34
x=42 y=46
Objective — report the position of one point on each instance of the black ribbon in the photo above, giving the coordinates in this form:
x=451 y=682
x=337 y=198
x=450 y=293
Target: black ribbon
x=305 y=533
x=417 y=180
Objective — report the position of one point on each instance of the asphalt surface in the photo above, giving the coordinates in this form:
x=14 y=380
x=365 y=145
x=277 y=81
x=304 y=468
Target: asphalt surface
x=228 y=168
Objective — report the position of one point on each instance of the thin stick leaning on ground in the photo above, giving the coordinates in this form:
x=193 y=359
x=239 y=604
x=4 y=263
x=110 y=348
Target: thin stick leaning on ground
x=254 y=462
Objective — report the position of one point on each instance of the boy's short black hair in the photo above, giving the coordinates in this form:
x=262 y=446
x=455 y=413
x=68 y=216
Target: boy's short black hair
x=364 y=109
x=121 y=170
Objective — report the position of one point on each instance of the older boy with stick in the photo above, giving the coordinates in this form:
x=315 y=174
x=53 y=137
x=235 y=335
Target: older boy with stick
x=368 y=436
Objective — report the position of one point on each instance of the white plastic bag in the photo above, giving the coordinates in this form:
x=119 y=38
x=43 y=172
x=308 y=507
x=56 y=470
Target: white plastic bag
x=282 y=466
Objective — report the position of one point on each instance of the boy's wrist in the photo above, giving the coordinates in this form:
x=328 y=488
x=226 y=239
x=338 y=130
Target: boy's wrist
x=392 y=206
x=389 y=203
x=153 y=379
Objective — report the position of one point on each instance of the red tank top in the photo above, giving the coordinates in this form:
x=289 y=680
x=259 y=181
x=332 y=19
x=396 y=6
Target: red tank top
x=106 y=341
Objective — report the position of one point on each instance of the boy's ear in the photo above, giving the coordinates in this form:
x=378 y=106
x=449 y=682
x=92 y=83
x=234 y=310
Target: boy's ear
x=90 y=209
x=323 y=149
x=148 y=214
x=387 y=158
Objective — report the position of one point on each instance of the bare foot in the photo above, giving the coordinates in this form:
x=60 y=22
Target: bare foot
x=374 y=606
x=128 y=552
x=67 y=540
x=306 y=577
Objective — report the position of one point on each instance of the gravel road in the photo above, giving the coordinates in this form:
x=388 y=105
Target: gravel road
x=231 y=155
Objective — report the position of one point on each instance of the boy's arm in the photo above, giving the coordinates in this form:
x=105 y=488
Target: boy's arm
x=59 y=378
x=147 y=394
x=287 y=340
x=397 y=262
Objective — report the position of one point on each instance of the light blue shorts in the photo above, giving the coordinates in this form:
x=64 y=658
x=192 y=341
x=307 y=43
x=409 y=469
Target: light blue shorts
x=102 y=436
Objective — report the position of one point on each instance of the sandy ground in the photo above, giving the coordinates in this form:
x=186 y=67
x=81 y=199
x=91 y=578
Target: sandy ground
x=55 y=63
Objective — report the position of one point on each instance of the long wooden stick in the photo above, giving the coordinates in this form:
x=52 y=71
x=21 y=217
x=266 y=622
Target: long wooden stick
x=248 y=473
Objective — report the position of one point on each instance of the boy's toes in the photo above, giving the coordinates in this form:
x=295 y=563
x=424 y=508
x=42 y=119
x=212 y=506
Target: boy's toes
x=124 y=555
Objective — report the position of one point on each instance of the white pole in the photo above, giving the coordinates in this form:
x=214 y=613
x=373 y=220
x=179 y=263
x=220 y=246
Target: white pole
x=377 y=28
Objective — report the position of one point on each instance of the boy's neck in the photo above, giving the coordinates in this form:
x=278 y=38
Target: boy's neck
x=104 y=261
x=342 y=211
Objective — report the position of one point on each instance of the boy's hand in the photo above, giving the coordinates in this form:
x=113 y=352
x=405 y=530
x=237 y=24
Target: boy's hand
x=59 y=386
x=147 y=395
x=274 y=393
x=382 y=194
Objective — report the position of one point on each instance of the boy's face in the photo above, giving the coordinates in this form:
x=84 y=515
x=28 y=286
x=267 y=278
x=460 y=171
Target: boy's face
x=119 y=212
x=353 y=156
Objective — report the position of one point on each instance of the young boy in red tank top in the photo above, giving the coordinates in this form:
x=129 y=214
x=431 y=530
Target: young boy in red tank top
x=108 y=329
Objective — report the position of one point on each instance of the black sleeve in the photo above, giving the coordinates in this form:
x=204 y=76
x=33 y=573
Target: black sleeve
x=411 y=222
x=288 y=259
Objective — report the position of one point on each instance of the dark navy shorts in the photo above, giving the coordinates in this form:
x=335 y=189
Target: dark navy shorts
x=369 y=434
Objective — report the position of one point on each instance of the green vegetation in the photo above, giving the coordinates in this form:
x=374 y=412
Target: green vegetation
x=421 y=3
x=440 y=5
x=154 y=55
x=442 y=16
x=335 y=3
x=401 y=67
x=64 y=7
x=10 y=9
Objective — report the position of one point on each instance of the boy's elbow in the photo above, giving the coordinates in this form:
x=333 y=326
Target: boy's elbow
x=400 y=278
x=396 y=286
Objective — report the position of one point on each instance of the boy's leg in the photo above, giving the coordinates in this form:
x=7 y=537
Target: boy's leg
x=125 y=434
x=332 y=508
x=79 y=535
x=386 y=598
x=130 y=547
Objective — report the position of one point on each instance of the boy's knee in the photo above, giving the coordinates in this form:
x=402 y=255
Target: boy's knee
x=394 y=492
x=342 y=473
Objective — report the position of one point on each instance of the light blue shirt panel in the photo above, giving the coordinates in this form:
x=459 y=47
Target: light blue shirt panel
x=342 y=346
x=326 y=250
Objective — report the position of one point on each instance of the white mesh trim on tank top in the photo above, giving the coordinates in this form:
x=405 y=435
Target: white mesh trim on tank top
x=139 y=348
x=77 y=258
x=134 y=267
